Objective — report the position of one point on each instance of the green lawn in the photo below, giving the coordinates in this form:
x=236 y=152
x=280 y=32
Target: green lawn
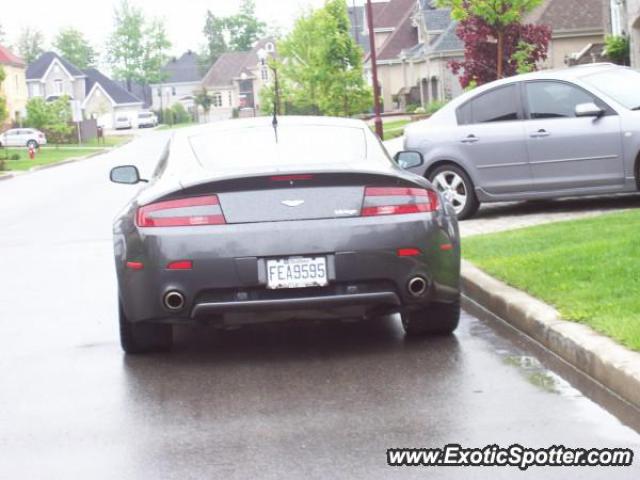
x=110 y=141
x=393 y=129
x=44 y=156
x=588 y=269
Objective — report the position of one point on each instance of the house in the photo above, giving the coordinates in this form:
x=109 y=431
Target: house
x=625 y=20
x=14 y=87
x=416 y=41
x=182 y=79
x=106 y=100
x=236 y=78
x=51 y=76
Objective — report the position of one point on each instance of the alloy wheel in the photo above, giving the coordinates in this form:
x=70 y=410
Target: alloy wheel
x=453 y=189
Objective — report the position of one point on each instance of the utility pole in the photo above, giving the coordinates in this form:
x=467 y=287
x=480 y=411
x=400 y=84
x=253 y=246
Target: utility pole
x=373 y=57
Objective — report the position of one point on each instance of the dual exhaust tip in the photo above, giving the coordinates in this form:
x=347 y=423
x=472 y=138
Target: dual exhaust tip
x=174 y=301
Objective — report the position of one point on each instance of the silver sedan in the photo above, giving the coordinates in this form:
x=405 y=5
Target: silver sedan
x=542 y=135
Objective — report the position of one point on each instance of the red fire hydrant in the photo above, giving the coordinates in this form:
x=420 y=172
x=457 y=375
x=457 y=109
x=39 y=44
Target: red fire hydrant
x=32 y=152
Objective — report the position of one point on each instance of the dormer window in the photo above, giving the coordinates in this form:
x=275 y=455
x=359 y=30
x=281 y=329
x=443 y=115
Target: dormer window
x=270 y=47
x=58 y=87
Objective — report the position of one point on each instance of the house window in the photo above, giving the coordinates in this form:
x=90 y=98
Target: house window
x=58 y=87
x=35 y=90
x=264 y=74
x=230 y=98
x=217 y=99
x=173 y=91
x=270 y=47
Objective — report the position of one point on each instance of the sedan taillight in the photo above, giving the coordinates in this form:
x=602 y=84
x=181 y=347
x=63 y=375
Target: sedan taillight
x=185 y=212
x=398 y=201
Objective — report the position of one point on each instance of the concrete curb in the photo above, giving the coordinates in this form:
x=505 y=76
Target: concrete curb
x=602 y=359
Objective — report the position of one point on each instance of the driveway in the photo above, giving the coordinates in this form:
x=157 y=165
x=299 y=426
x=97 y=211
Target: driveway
x=498 y=217
x=302 y=399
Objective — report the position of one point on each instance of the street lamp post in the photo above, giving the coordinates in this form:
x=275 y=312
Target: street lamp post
x=373 y=57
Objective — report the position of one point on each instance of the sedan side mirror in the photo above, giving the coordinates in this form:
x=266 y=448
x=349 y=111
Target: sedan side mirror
x=409 y=159
x=589 y=110
x=126 y=174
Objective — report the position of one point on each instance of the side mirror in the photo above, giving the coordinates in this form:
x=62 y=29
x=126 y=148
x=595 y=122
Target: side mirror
x=127 y=174
x=589 y=110
x=409 y=159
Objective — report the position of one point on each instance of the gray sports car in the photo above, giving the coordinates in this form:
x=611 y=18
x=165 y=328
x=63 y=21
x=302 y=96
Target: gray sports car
x=257 y=220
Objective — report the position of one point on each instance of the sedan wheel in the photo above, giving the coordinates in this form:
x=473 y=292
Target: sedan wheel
x=32 y=143
x=457 y=189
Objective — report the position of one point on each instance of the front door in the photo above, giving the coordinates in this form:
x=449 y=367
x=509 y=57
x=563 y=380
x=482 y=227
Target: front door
x=568 y=152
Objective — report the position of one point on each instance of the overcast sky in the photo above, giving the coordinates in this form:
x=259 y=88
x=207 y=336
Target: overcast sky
x=184 y=18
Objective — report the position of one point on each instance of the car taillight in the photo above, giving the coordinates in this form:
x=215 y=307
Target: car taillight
x=398 y=201
x=185 y=212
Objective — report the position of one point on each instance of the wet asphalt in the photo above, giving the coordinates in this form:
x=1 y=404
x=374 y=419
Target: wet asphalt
x=301 y=399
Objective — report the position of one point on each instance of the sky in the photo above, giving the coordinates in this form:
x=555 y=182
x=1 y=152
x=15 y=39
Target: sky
x=184 y=18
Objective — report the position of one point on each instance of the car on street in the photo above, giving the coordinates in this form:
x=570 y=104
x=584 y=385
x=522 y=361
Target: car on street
x=147 y=119
x=541 y=135
x=246 y=221
x=122 y=122
x=23 y=137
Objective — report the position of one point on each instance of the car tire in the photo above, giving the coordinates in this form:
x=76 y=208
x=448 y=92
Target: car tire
x=32 y=143
x=436 y=319
x=456 y=186
x=137 y=338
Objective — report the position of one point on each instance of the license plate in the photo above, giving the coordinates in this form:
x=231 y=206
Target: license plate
x=298 y=272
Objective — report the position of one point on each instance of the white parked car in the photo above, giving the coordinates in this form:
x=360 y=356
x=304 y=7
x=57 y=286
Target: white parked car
x=147 y=119
x=23 y=137
x=122 y=122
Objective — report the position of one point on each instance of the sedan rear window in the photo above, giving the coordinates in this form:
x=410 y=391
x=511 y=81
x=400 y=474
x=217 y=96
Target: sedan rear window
x=246 y=148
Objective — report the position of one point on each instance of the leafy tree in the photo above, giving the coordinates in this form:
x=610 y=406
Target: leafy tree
x=618 y=49
x=137 y=47
x=498 y=15
x=320 y=65
x=30 y=44
x=54 y=118
x=3 y=101
x=244 y=28
x=205 y=100
x=74 y=47
x=235 y=33
x=523 y=46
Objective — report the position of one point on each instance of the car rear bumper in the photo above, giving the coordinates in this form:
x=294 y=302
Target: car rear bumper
x=228 y=282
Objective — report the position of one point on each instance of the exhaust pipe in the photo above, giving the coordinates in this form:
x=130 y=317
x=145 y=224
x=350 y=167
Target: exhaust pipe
x=174 y=301
x=417 y=286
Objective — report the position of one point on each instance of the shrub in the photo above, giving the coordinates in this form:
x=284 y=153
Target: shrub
x=434 y=106
x=618 y=49
x=15 y=156
x=412 y=107
x=180 y=114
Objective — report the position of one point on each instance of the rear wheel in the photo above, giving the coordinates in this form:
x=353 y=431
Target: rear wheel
x=138 y=338
x=32 y=144
x=436 y=319
x=456 y=186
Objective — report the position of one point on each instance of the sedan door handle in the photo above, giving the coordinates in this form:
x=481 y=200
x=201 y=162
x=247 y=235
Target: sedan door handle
x=540 y=134
x=470 y=139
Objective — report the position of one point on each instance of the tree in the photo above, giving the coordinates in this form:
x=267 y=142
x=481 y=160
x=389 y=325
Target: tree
x=30 y=44
x=73 y=46
x=618 y=49
x=498 y=15
x=54 y=118
x=205 y=100
x=137 y=48
x=244 y=28
x=320 y=65
x=235 y=33
x=3 y=101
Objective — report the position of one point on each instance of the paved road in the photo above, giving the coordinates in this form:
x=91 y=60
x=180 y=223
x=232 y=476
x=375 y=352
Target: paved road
x=323 y=400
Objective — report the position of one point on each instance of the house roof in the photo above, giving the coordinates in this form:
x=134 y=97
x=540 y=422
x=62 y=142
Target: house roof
x=118 y=94
x=448 y=41
x=183 y=69
x=403 y=37
x=8 y=58
x=142 y=92
x=390 y=14
x=359 y=29
x=436 y=18
x=231 y=65
x=570 y=15
x=39 y=67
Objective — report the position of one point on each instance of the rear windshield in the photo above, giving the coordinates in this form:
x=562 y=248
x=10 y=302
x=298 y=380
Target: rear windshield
x=308 y=145
x=144 y=115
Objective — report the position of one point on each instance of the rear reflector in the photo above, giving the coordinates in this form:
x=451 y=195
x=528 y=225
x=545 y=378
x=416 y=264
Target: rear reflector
x=446 y=247
x=398 y=201
x=180 y=265
x=409 y=252
x=184 y=212
x=135 y=265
